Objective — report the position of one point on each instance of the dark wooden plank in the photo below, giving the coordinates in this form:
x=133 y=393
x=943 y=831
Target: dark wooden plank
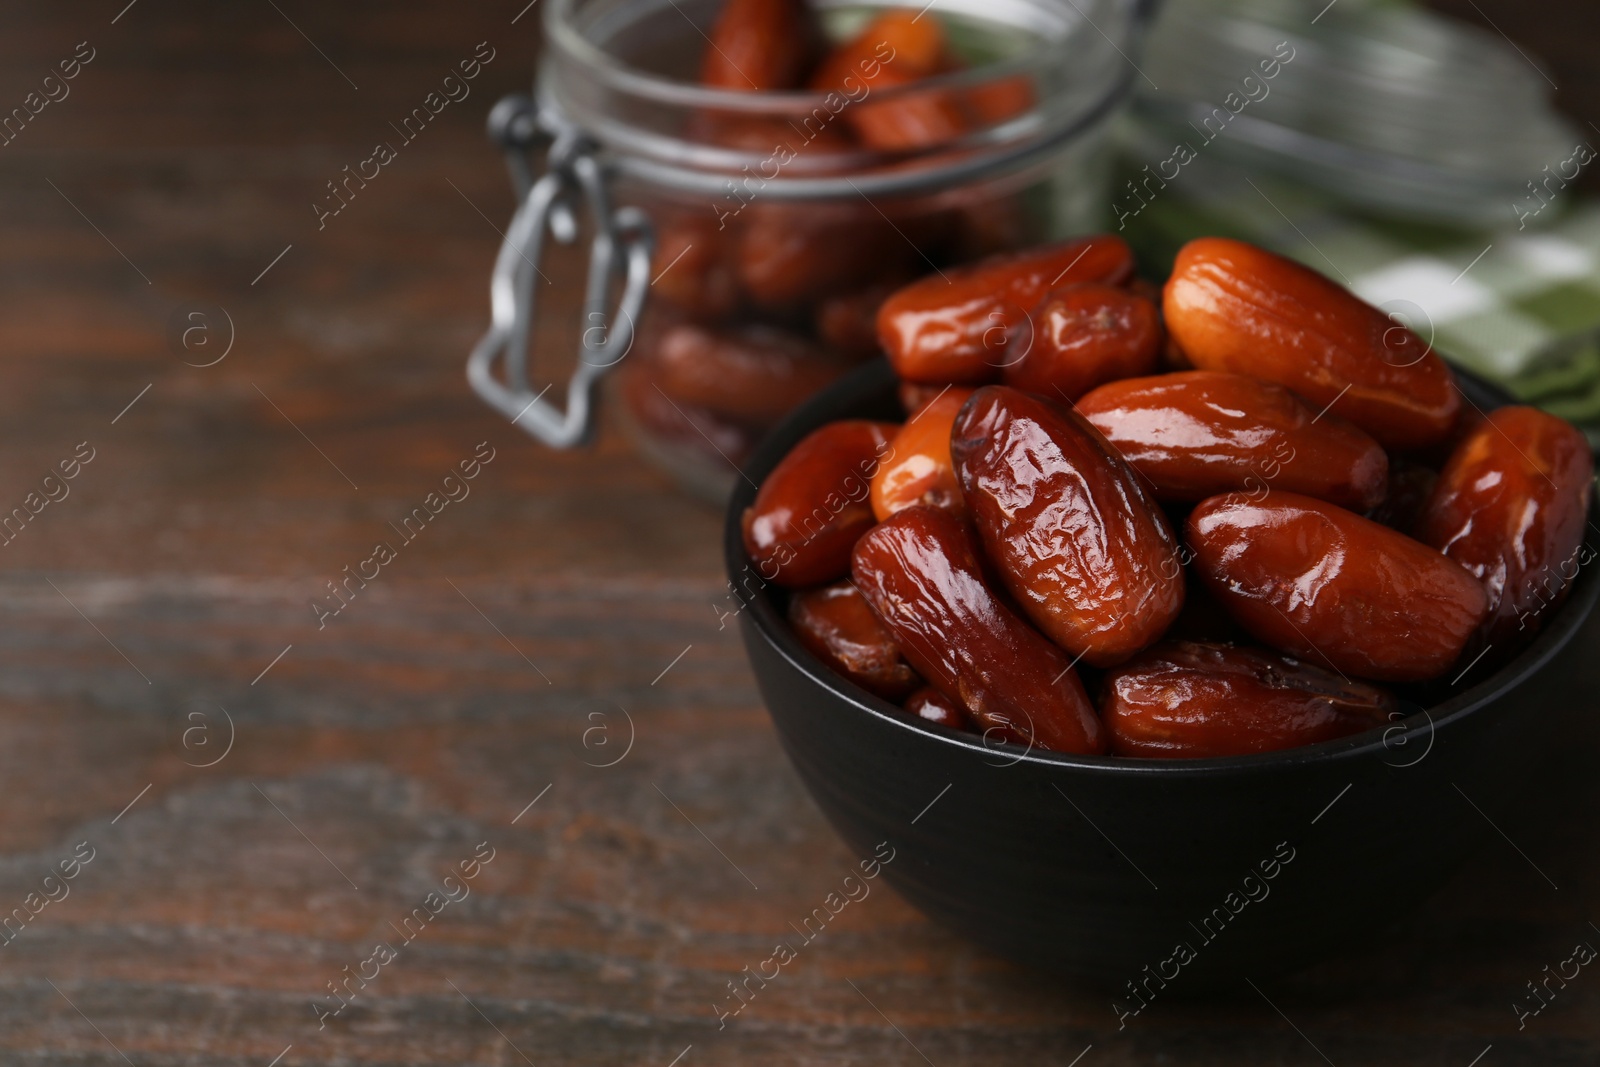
x=381 y=749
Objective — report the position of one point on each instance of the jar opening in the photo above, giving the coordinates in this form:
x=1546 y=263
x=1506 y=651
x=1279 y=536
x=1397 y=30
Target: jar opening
x=623 y=70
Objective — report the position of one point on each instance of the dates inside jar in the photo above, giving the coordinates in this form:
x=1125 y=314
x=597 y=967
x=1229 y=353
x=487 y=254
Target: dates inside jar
x=758 y=300
x=1234 y=307
x=836 y=624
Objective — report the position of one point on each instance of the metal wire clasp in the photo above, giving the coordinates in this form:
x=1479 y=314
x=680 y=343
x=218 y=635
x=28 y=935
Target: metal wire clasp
x=619 y=250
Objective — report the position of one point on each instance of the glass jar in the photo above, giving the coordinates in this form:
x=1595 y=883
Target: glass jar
x=755 y=233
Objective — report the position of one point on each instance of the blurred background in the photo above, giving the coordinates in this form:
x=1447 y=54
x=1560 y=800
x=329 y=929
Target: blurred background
x=1433 y=163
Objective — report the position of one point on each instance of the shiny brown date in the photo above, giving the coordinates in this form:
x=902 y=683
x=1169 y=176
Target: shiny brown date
x=1200 y=433
x=919 y=470
x=1191 y=700
x=1324 y=584
x=955 y=326
x=1234 y=307
x=1084 y=551
x=1511 y=506
x=1081 y=337
x=810 y=510
x=753 y=374
x=930 y=705
x=921 y=574
x=836 y=624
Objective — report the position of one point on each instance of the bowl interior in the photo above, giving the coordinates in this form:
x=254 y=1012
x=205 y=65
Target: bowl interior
x=869 y=392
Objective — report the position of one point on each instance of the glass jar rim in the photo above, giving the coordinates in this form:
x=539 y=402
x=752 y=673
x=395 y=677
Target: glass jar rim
x=1010 y=146
x=561 y=31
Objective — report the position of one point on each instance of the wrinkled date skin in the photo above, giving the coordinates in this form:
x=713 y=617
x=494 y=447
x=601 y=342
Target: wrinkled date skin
x=1511 y=506
x=760 y=46
x=1192 y=700
x=1234 y=307
x=1084 y=551
x=955 y=327
x=836 y=624
x=921 y=574
x=1199 y=433
x=919 y=470
x=1082 y=337
x=752 y=374
x=1324 y=584
x=810 y=510
x=930 y=705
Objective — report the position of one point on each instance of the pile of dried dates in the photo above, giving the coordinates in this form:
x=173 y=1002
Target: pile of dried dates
x=759 y=302
x=1228 y=509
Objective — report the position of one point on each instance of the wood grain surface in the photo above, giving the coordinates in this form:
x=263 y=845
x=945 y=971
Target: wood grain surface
x=538 y=676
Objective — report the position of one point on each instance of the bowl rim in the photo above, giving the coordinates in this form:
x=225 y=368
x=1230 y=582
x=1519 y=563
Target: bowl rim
x=869 y=382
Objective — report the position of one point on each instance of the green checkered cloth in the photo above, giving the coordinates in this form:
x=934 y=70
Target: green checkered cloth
x=1519 y=307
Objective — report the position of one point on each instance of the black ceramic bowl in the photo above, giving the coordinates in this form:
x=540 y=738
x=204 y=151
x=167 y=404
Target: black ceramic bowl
x=1101 y=867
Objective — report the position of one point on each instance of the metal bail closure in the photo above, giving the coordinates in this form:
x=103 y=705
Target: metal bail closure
x=620 y=250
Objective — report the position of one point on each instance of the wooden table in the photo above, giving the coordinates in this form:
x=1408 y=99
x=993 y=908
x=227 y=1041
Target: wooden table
x=263 y=792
